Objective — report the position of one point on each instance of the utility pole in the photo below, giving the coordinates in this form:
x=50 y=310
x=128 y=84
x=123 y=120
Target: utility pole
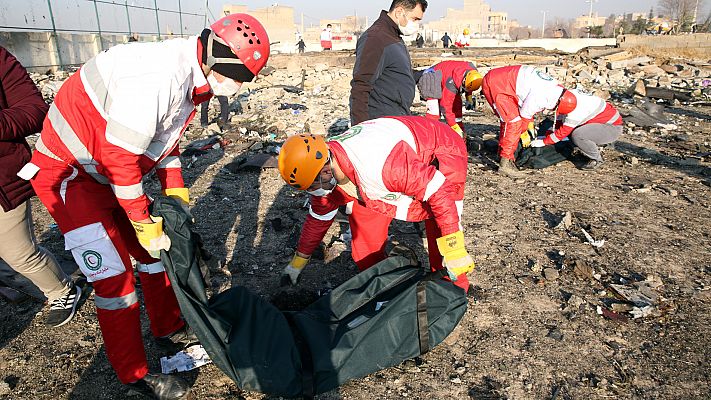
x=696 y=13
x=54 y=34
x=543 y=28
x=128 y=18
x=302 y=24
x=206 y=9
x=98 y=27
x=590 y=24
x=155 y=4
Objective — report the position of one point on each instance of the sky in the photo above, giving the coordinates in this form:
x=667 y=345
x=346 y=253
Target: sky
x=81 y=15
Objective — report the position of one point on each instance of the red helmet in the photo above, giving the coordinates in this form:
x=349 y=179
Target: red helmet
x=247 y=39
x=567 y=102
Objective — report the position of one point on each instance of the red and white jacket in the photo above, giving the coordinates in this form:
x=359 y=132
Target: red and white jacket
x=452 y=80
x=409 y=168
x=122 y=114
x=589 y=110
x=518 y=92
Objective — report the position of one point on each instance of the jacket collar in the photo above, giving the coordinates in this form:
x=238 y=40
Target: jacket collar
x=389 y=23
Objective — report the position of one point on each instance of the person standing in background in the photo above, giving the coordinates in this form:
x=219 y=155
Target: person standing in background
x=383 y=81
x=326 y=43
x=446 y=40
x=419 y=41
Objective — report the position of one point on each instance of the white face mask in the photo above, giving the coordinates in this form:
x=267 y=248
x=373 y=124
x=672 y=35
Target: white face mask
x=228 y=87
x=320 y=192
x=409 y=29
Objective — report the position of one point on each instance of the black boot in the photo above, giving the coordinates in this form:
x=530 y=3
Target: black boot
x=162 y=387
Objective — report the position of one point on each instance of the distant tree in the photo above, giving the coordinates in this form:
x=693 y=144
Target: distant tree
x=596 y=31
x=681 y=12
x=651 y=13
x=609 y=27
x=705 y=25
x=638 y=26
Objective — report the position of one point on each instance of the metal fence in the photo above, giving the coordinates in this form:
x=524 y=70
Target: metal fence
x=155 y=18
x=143 y=17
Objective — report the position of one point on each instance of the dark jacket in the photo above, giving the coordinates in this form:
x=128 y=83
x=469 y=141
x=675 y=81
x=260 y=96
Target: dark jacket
x=446 y=40
x=22 y=111
x=383 y=83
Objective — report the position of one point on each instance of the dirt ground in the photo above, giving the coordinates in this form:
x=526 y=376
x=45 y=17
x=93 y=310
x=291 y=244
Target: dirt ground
x=533 y=329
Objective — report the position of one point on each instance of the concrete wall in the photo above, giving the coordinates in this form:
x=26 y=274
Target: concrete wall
x=564 y=45
x=692 y=41
x=37 y=51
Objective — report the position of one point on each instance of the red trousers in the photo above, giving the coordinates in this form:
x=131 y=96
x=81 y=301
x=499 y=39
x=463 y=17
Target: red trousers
x=512 y=125
x=102 y=240
x=370 y=233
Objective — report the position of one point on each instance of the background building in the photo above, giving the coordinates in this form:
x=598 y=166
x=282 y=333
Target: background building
x=475 y=16
x=277 y=20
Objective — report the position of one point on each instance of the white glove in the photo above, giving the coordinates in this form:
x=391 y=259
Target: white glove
x=537 y=143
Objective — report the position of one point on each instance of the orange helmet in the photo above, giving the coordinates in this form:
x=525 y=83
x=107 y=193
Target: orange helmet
x=567 y=102
x=301 y=158
x=472 y=81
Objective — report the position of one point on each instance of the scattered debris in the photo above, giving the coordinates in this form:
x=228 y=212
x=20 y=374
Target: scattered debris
x=192 y=357
x=292 y=106
x=592 y=241
x=565 y=222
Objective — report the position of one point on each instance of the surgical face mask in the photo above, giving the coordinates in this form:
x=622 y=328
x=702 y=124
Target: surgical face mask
x=409 y=29
x=228 y=87
x=320 y=192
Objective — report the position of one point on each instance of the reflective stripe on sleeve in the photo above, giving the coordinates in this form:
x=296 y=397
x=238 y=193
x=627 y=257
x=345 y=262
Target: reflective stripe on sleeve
x=128 y=192
x=460 y=210
x=126 y=138
x=432 y=107
x=403 y=207
x=614 y=118
x=72 y=142
x=553 y=138
x=153 y=268
x=434 y=184
x=69 y=137
x=170 y=162
x=115 y=303
x=92 y=77
x=324 y=217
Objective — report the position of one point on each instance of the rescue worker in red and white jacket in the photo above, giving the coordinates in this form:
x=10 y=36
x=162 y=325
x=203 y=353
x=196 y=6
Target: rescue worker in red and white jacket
x=409 y=168
x=117 y=119
x=589 y=121
x=517 y=93
x=442 y=87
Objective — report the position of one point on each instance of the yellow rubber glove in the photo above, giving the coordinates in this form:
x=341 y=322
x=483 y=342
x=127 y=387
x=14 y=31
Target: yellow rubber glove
x=456 y=259
x=528 y=135
x=182 y=195
x=151 y=236
x=458 y=129
x=290 y=275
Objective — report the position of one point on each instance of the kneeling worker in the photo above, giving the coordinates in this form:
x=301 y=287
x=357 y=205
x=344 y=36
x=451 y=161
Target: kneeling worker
x=589 y=121
x=410 y=168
